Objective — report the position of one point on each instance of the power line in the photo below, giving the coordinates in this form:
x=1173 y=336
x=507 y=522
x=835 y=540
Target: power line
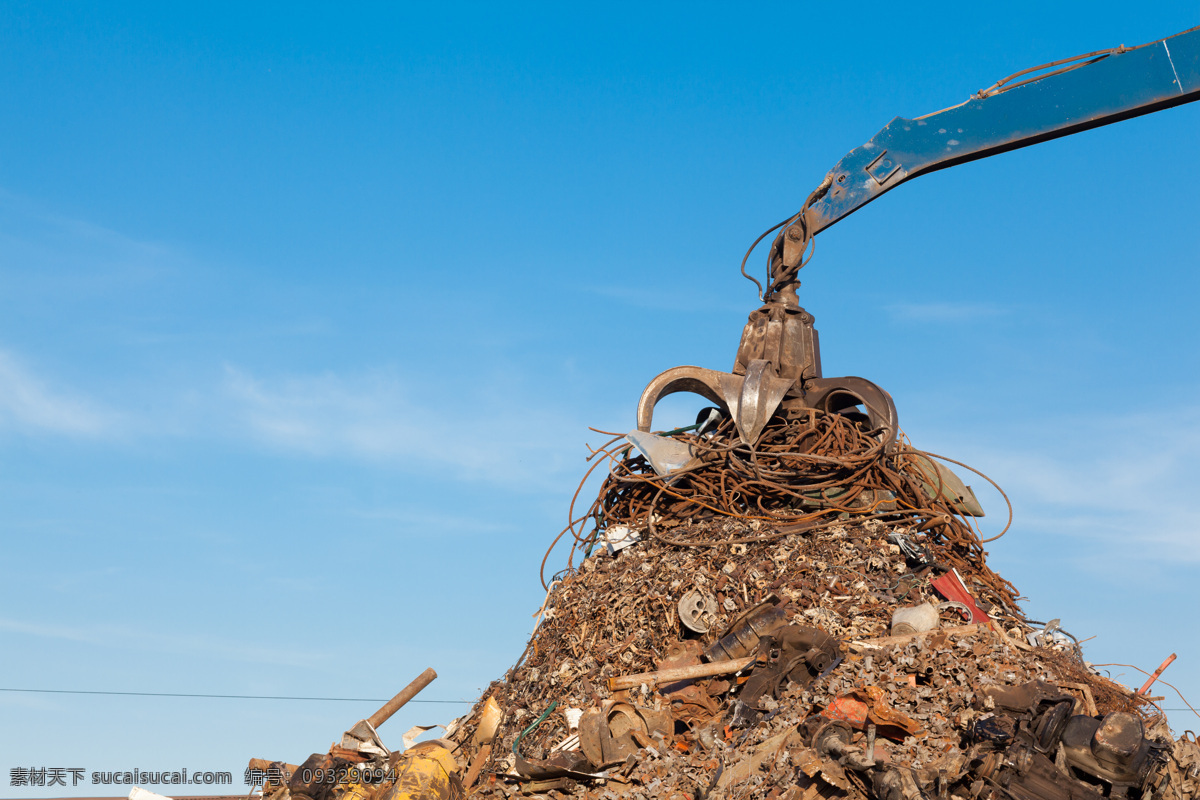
x=263 y=696
x=227 y=696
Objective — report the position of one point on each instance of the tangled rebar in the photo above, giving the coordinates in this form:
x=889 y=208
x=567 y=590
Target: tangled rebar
x=810 y=473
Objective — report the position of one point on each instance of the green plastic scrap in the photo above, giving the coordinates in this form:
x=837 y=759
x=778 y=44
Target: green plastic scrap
x=536 y=722
x=953 y=490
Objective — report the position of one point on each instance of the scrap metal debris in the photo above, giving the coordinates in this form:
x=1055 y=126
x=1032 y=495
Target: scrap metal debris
x=808 y=617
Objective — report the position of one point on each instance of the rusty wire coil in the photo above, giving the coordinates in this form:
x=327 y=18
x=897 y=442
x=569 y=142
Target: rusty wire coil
x=806 y=474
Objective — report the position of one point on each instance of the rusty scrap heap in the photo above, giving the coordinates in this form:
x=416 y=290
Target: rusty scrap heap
x=808 y=617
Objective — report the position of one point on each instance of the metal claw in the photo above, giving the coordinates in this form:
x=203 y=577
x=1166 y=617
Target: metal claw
x=778 y=366
x=697 y=380
x=760 y=395
x=837 y=395
x=750 y=399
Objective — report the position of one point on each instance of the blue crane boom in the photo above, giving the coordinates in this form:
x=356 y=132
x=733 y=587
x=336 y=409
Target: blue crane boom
x=1090 y=91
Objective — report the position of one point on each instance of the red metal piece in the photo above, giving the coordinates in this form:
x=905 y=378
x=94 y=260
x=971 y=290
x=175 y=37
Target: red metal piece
x=849 y=709
x=951 y=587
x=1146 y=687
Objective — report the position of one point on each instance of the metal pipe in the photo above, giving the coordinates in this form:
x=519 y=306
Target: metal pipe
x=1146 y=687
x=403 y=696
x=888 y=641
x=678 y=674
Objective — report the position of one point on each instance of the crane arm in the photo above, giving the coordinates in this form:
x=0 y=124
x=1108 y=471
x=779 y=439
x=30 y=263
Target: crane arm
x=778 y=363
x=1097 y=89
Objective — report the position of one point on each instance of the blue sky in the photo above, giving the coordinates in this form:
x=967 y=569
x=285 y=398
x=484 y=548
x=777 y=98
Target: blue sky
x=305 y=311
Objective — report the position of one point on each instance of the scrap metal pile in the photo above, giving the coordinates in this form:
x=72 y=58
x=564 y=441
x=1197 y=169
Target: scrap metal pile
x=791 y=602
x=811 y=616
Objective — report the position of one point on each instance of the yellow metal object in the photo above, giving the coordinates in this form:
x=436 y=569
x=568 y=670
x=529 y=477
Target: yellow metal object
x=424 y=773
x=489 y=723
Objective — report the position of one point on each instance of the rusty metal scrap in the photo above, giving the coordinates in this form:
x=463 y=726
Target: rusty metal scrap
x=676 y=674
x=868 y=704
x=814 y=473
x=815 y=528
x=798 y=551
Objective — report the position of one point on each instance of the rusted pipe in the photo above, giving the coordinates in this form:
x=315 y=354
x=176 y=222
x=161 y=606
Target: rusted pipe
x=888 y=641
x=1146 y=686
x=477 y=765
x=403 y=696
x=678 y=674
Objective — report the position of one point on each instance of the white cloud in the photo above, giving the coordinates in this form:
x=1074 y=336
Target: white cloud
x=478 y=430
x=1124 y=483
x=686 y=298
x=944 y=312
x=438 y=523
x=28 y=404
x=58 y=253
x=126 y=638
x=88 y=635
x=481 y=431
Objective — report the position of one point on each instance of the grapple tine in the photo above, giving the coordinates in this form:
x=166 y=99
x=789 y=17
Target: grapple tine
x=778 y=366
